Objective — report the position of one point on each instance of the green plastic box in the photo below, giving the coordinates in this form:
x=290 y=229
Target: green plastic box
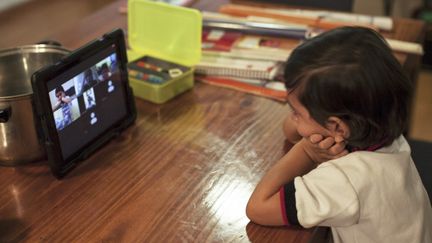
x=166 y=32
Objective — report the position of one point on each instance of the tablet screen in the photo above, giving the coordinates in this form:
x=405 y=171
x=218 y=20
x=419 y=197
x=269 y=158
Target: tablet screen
x=87 y=100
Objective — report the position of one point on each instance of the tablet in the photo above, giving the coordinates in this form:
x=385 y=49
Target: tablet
x=83 y=101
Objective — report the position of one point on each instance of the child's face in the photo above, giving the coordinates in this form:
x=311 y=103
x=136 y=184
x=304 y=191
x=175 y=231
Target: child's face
x=60 y=94
x=306 y=125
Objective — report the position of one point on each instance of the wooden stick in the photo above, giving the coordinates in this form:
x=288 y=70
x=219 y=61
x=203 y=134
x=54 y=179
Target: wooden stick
x=244 y=11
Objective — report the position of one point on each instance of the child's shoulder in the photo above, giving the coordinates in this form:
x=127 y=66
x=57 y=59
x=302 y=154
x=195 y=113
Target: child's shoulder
x=399 y=150
x=364 y=167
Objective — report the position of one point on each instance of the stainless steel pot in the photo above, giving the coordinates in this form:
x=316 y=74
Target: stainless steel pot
x=19 y=140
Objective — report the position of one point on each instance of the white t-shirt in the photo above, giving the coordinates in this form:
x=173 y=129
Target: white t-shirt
x=367 y=197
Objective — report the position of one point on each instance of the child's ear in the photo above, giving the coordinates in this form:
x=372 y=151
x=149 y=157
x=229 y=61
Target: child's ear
x=338 y=127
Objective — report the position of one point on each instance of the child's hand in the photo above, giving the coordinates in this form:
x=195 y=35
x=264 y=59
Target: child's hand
x=321 y=149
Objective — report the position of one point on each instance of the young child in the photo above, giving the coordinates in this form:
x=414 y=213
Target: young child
x=63 y=103
x=347 y=91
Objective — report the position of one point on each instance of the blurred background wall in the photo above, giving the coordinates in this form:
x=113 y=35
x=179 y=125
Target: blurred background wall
x=395 y=8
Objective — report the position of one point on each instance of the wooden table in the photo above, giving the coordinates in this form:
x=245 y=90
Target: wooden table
x=182 y=173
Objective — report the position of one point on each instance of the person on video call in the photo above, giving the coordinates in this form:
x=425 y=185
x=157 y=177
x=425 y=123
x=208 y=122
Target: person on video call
x=104 y=72
x=88 y=80
x=63 y=103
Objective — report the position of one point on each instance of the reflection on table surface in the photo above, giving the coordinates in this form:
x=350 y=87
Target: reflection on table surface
x=182 y=173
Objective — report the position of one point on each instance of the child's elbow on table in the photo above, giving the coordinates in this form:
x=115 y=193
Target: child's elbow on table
x=266 y=212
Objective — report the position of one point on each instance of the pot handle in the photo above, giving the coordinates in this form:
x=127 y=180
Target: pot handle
x=5 y=114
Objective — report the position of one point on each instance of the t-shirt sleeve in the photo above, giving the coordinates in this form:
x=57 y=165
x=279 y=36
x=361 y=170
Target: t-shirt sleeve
x=323 y=197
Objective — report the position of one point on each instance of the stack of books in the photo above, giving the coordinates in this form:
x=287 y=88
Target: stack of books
x=226 y=43
x=248 y=63
x=247 y=55
x=245 y=47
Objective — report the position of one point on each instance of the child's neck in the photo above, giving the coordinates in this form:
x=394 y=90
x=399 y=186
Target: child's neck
x=373 y=147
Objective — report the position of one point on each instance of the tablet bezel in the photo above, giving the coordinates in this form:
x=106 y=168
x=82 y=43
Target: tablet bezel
x=43 y=109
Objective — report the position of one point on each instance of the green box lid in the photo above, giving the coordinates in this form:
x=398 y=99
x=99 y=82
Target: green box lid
x=165 y=31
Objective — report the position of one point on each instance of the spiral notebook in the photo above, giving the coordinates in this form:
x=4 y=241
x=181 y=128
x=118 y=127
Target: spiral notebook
x=218 y=65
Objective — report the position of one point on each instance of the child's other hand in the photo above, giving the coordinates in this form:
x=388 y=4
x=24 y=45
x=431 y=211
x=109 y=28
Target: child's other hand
x=321 y=149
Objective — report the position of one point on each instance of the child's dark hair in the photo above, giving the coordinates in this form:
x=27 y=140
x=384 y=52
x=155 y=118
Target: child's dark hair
x=351 y=73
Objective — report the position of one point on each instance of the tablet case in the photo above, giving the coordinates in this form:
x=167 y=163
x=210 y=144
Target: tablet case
x=59 y=166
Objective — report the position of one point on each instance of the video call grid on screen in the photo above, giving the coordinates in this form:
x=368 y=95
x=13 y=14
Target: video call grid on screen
x=86 y=100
